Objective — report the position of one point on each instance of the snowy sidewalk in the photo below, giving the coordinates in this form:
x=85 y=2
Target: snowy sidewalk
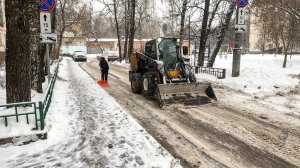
x=87 y=128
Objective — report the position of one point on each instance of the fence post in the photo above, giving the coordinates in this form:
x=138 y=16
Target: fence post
x=224 y=74
x=42 y=121
x=16 y=112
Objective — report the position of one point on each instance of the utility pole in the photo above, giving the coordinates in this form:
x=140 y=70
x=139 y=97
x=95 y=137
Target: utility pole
x=236 y=61
x=240 y=27
x=189 y=34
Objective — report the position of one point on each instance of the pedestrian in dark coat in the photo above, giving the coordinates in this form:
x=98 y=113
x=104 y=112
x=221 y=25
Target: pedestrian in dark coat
x=104 y=69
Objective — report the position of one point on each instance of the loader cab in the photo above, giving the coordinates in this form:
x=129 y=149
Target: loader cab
x=168 y=52
x=150 y=49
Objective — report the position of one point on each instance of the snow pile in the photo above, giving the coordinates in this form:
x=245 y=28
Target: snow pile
x=259 y=74
x=124 y=63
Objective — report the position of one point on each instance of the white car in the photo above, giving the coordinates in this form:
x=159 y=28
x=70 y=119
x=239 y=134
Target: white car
x=79 y=56
x=113 y=55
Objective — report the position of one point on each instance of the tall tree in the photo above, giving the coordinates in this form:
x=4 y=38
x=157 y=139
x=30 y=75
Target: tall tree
x=223 y=27
x=34 y=46
x=118 y=29
x=18 y=62
x=126 y=28
x=288 y=34
x=67 y=17
x=183 y=11
x=203 y=35
x=292 y=7
x=132 y=27
x=283 y=27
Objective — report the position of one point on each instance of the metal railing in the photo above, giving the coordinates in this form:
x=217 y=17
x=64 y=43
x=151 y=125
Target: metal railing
x=40 y=109
x=44 y=105
x=16 y=106
x=218 y=72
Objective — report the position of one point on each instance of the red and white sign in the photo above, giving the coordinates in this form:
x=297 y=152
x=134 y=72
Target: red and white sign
x=47 y=5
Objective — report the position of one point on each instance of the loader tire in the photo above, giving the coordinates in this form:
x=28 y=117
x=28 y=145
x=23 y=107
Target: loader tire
x=136 y=83
x=192 y=78
x=149 y=85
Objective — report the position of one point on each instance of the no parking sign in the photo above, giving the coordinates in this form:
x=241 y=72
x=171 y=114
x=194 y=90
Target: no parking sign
x=47 y=5
x=241 y=3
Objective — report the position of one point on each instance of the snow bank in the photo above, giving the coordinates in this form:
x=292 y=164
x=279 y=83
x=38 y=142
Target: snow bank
x=260 y=74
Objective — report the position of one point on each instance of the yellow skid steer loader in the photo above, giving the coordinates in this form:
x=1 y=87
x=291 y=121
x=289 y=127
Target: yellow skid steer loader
x=162 y=74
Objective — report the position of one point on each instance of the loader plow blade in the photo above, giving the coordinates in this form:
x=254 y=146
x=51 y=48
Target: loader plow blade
x=187 y=94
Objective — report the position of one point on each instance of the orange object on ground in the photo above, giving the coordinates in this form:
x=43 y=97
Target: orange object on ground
x=102 y=83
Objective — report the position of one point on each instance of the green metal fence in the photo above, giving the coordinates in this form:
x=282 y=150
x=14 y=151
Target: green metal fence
x=40 y=109
x=44 y=105
x=17 y=113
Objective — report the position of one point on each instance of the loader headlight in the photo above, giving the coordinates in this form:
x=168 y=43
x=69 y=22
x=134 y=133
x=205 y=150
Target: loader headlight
x=178 y=40
x=159 y=40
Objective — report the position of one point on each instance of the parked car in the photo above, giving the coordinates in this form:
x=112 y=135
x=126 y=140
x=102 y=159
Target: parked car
x=79 y=56
x=113 y=55
x=66 y=54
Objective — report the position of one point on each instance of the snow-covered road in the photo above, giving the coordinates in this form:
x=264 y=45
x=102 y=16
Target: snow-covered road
x=87 y=128
x=237 y=131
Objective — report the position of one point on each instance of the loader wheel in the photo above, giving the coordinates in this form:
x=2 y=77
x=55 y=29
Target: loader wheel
x=149 y=85
x=192 y=78
x=136 y=83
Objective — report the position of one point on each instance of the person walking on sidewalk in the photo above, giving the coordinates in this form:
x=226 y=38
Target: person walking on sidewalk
x=104 y=67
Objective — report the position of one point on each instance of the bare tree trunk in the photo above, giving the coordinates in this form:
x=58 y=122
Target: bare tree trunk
x=42 y=74
x=132 y=28
x=33 y=16
x=184 y=5
x=285 y=60
x=62 y=27
x=203 y=37
x=277 y=48
x=55 y=48
x=18 y=62
x=118 y=30
x=285 y=47
x=60 y=37
x=220 y=38
x=52 y=48
x=216 y=7
x=127 y=9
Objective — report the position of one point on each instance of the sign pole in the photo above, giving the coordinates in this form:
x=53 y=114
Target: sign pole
x=236 y=61
x=46 y=36
x=240 y=27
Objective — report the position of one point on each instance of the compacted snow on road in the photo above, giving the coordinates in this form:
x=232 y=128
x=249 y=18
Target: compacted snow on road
x=87 y=128
x=250 y=125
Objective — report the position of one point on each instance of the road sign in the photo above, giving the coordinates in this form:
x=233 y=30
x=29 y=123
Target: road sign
x=48 y=38
x=45 y=21
x=47 y=5
x=241 y=16
x=240 y=28
x=241 y=3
